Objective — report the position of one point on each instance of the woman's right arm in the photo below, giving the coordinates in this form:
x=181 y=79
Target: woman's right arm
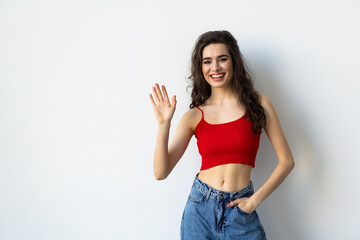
x=165 y=157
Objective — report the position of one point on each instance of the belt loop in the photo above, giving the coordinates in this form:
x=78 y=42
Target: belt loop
x=208 y=194
x=231 y=196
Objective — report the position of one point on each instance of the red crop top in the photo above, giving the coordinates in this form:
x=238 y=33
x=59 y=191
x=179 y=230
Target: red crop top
x=224 y=143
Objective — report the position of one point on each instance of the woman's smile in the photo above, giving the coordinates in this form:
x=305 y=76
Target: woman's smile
x=217 y=76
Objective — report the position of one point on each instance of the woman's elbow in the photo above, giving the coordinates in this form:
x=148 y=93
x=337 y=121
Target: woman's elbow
x=160 y=176
x=290 y=164
x=287 y=164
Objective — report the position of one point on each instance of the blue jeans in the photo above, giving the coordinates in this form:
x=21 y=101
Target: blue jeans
x=206 y=215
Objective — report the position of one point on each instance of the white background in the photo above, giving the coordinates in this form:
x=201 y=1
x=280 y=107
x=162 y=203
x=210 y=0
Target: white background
x=77 y=130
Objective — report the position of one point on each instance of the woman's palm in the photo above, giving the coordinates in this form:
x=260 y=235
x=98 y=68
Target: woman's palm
x=164 y=111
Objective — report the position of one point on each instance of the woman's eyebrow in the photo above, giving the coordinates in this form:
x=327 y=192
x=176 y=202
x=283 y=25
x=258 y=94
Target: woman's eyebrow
x=223 y=55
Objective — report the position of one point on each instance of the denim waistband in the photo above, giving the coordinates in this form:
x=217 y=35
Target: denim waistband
x=217 y=194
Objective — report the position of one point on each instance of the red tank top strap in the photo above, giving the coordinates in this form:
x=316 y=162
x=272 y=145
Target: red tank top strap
x=200 y=110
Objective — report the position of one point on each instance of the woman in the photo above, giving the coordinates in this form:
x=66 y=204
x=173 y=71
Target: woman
x=226 y=116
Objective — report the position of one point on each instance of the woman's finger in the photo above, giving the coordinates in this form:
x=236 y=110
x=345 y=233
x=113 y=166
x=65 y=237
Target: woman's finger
x=165 y=94
x=173 y=101
x=152 y=100
x=233 y=203
x=156 y=95
x=161 y=98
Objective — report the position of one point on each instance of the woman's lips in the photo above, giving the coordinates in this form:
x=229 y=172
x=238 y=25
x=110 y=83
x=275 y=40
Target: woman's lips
x=217 y=77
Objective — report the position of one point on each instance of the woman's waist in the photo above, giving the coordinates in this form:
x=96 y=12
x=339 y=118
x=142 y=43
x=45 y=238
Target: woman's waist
x=230 y=177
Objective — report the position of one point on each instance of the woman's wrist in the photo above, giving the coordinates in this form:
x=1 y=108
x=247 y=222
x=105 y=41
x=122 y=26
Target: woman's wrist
x=164 y=124
x=255 y=201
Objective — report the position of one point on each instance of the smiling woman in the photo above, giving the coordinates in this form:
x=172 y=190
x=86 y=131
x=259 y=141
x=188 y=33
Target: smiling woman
x=222 y=202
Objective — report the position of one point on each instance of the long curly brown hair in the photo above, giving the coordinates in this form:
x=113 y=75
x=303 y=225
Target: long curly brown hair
x=241 y=81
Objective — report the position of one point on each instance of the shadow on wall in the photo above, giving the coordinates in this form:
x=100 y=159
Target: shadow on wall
x=284 y=212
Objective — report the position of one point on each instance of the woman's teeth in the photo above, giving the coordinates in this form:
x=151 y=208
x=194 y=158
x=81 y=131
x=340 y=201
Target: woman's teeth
x=217 y=76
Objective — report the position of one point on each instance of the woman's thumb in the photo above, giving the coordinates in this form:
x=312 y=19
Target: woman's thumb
x=173 y=101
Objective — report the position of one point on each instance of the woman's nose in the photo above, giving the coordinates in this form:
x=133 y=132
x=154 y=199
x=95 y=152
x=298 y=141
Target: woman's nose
x=215 y=66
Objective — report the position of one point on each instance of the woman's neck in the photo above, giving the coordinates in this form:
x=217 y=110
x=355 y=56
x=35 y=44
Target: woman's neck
x=221 y=96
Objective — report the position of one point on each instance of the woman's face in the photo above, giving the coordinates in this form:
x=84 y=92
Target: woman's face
x=217 y=66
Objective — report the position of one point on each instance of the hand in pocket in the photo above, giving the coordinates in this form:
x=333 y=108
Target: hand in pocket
x=245 y=204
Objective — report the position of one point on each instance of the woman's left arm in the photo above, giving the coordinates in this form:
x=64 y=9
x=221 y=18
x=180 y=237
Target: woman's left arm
x=285 y=159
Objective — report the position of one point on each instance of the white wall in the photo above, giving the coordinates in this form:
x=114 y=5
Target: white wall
x=77 y=130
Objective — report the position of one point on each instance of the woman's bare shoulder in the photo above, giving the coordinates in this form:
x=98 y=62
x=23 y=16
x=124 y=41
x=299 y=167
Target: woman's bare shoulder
x=192 y=117
x=270 y=112
x=264 y=100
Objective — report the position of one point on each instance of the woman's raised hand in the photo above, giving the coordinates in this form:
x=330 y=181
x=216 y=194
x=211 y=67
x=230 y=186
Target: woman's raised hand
x=164 y=111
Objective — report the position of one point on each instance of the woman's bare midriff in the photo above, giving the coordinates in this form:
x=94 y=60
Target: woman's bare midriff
x=230 y=177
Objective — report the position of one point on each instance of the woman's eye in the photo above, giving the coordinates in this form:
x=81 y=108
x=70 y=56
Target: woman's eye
x=207 y=62
x=223 y=59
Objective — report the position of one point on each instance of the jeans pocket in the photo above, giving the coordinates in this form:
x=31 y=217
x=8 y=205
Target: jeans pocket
x=242 y=212
x=196 y=195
